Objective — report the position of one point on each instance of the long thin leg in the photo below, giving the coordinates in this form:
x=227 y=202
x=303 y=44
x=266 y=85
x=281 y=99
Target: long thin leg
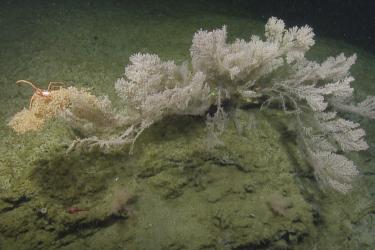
x=27 y=82
x=51 y=85
x=31 y=101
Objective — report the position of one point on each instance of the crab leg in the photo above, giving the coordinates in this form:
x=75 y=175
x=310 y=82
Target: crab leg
x=31 y=101
x=27 y=82
x=51 y=85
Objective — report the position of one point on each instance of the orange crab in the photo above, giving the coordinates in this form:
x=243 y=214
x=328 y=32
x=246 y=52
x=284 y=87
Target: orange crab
x=40 y=92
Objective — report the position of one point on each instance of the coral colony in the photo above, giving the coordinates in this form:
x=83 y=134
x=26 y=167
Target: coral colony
x=265 y=71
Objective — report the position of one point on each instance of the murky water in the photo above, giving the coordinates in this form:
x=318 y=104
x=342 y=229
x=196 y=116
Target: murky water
x=255 y=190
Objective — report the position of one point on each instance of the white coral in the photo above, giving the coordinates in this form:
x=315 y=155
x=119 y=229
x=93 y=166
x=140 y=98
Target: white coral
x=92 y=117
x=365 y=108
x=242 y=60
x=348 y=134
x=145 y=75
x=152 y=89
x=334 y=170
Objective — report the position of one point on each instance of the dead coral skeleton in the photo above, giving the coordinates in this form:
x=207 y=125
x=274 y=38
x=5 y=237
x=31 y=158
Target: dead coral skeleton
x=82 y=109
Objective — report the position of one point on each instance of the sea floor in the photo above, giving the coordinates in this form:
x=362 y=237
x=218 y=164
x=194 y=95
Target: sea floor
x=173 y=193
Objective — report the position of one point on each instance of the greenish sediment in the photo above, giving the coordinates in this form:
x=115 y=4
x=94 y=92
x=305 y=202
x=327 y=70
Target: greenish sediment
x=187 y=196
x=173 y=193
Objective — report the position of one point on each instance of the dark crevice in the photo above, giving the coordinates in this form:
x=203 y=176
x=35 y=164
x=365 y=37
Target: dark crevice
x=268 y=244
x=14 y=203
x=89 y=228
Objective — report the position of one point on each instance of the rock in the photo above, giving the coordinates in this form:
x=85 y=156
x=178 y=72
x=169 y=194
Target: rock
x=188 y=196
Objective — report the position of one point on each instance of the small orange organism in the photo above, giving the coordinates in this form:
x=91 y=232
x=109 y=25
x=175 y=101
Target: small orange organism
x=40 y=92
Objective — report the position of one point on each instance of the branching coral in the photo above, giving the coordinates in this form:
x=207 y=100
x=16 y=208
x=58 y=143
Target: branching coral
x=307 y=89
x=264 y=71
x=151 y=90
